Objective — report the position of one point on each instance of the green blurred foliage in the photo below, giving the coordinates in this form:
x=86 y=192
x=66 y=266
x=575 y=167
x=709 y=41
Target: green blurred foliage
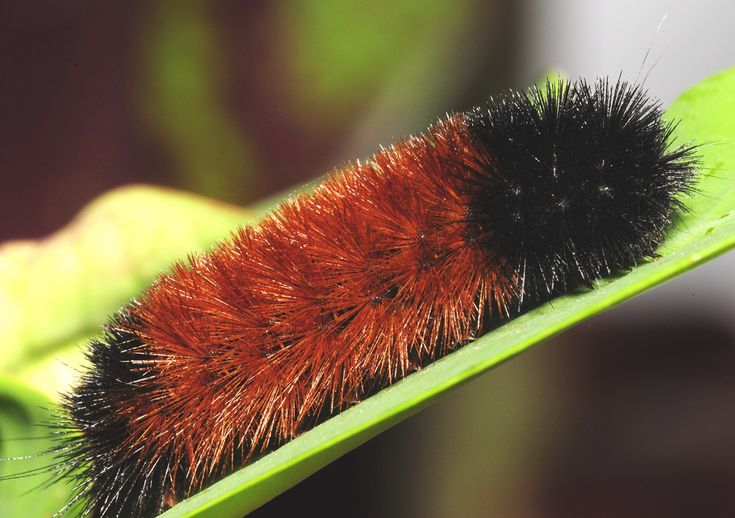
x=184 y=75
x=227 y=91
x=337 y=55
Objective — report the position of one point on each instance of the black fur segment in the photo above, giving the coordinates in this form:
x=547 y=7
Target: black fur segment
x=584 y=181
x=91 y=429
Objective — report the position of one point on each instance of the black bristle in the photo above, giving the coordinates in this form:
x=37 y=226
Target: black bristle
x=92 y=428
x=583 y=184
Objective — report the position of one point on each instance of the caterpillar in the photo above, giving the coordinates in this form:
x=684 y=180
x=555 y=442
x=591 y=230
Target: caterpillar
x=387 y=265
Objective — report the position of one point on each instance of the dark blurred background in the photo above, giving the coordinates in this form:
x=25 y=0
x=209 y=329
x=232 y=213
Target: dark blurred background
x=630 y=414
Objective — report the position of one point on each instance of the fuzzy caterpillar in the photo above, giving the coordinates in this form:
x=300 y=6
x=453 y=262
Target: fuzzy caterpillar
x=389 y=264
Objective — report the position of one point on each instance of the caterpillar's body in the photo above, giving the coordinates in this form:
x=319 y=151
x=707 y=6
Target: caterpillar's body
x=386 y=266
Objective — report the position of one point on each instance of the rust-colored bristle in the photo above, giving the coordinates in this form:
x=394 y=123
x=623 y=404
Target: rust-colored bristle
x=333 y=297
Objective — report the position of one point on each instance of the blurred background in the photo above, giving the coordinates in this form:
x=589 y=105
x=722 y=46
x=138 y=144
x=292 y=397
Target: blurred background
x=240 y=101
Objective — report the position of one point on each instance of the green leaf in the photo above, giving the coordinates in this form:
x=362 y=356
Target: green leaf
x=707 y=115
x=23 y=439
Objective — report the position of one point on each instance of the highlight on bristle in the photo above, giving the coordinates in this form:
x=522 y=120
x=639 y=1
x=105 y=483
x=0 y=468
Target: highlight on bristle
x=386 y=266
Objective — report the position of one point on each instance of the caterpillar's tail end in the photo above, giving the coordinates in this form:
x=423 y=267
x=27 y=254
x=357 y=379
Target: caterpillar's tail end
x=110 y=475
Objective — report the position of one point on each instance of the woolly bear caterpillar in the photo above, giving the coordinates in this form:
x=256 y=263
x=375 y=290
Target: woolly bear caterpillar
x=386 y=266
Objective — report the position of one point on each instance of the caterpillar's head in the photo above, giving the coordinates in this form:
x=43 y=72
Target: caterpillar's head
x=582 y=182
